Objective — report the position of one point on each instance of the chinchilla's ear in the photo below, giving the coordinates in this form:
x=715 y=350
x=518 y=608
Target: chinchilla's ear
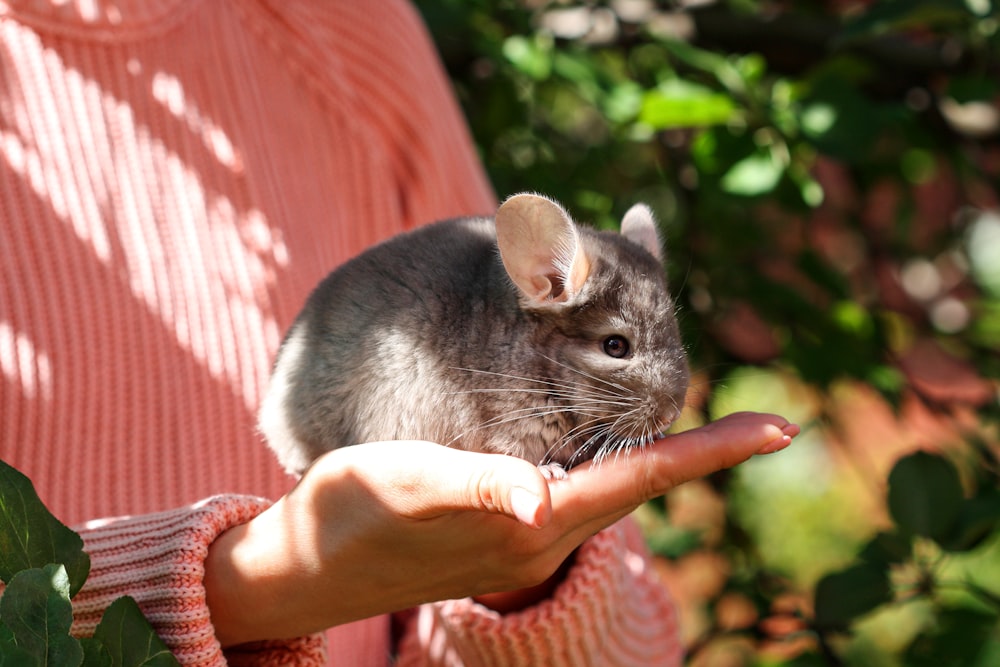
x=639 y=226
x=541 y=249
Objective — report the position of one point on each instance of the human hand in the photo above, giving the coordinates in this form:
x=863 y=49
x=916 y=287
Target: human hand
x=379 y=527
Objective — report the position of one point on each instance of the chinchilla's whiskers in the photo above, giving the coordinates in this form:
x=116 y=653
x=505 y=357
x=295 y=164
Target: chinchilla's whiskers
x=511 y=417
x=602 y=436
x=605 y=412
x=586 y=431
x=594 y=408
x=600 y=440
x=587 y=435
x=618 y=389
x=574 y=397
x=577 y=395
x=609 y=441
x=535 y=411
x=565 y=389
x=639 y=436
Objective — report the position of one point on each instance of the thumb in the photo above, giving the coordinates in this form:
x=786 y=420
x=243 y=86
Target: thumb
x=457 y=480
x=517 y=490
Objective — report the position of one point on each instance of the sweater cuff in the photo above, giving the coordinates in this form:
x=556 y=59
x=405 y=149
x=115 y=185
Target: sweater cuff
x=610 y=610
x=159 y=559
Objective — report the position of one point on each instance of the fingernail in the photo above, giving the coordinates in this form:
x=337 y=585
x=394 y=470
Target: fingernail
x=775 y=445
x=527 y=506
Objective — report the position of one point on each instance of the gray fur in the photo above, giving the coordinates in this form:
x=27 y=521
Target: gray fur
x=426 y=337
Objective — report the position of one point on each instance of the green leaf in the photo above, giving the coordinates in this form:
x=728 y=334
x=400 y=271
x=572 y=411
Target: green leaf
x=969 y=88
x=882 y=17
x=532 y=57
x=983 y=248
x=11 y=655
x=839 y=121
x=95 y=653
x=810 y=190
x=818 y=118
x=36 y=609
x=985 y=329
x=925 y=495
x=756 y=174
x=801 y=660
x=732 y=75
x=30 y=537
x=983 y=594
x=129 y=637
x=885 y=378
x=680 y=103
x=977 y=519
x=14 y=656
x=672 y=542
x=623 y=102
x=887 y=549
x=843 y=596
x=959 y=639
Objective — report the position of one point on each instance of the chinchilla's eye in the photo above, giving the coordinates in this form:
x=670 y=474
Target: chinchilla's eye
x=616 y=346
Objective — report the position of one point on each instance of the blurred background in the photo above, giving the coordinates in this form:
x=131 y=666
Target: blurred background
x=826 y=176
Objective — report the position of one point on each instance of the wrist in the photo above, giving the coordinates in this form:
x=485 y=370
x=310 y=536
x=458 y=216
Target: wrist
x=246 y=583
x=507 y=602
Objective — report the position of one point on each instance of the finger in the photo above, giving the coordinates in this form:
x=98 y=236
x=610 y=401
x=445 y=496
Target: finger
x=429 y=480
x=721 y=444
x=609 y=490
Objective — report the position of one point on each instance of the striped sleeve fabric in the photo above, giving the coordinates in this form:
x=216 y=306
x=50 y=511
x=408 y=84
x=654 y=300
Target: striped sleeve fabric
x=159 y=559
x=611 y=612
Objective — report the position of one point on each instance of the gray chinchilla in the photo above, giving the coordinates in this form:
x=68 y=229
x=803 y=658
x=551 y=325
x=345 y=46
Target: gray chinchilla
x=525 y=335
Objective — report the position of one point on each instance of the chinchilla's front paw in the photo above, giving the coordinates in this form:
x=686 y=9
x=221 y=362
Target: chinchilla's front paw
x=553 y=471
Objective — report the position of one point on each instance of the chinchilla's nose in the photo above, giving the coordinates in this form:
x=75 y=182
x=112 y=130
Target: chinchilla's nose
x=668 y=416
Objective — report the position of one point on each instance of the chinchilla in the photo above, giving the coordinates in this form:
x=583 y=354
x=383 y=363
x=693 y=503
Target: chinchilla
x=525 y=334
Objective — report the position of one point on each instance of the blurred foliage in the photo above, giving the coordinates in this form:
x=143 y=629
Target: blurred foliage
x=42 y=567
x=826 y=177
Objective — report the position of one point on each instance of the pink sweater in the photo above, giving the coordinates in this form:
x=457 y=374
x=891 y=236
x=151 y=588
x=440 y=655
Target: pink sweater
x=175 y=176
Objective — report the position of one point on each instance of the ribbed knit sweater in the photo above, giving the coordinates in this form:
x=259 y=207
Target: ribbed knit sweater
x=175 y=176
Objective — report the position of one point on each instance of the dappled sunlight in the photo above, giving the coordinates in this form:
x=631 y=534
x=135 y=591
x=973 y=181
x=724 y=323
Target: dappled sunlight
x=806 y=514
x=23 y=365
x=984 y=250
x=168 y=90
x=62 y=175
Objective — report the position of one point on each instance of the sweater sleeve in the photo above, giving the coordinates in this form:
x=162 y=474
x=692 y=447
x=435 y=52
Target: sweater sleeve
x=610 y=610
x=159 y=559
